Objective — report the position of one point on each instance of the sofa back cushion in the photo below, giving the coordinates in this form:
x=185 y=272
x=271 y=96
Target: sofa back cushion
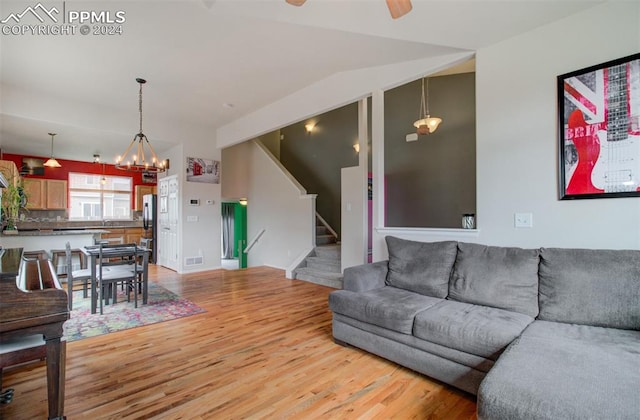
x=421 y=267
x=500 y=277
x=590 y=287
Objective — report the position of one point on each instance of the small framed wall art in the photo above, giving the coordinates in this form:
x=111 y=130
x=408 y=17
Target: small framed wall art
x=203 y=170
x=599 y=130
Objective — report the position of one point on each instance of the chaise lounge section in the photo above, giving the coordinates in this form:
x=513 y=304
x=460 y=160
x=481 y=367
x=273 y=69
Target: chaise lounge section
x=535 y=333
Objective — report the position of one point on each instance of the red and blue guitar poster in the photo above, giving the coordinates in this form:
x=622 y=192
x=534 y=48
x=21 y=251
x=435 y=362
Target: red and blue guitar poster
x=599 y=112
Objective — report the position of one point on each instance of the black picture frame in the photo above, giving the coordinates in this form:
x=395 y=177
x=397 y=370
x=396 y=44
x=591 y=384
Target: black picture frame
x=599 y=130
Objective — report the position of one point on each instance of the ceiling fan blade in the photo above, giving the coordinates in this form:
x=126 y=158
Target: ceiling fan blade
x=296 y=2
x=398 y=8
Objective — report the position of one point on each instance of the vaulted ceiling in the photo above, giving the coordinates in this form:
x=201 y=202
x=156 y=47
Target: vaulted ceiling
x=209 y=62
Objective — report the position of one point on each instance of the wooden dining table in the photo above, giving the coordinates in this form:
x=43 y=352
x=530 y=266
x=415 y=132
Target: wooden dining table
x=114 y=252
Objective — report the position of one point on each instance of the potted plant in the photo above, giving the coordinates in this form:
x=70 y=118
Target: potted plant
x=13 y=199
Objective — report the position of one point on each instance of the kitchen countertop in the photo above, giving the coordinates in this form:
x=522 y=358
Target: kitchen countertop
x=49 y=232
x=79 y=225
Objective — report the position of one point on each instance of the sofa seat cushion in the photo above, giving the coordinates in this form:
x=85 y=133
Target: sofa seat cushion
x=565 y=371
x=473 y=361
x=591 y=287
x=421 y=267
x=387 y=307
x=500 y=277
x=474 y=329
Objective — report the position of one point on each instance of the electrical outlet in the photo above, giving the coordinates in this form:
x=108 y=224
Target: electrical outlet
x=523 y=220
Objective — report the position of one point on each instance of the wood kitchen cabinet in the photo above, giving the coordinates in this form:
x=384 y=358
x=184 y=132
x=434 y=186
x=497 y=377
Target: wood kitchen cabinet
x=133 y=235
x=127 y=235
x=45 y=194
x=114 y=236
x=56 y=193
x=142 y=190
x=10 y=171
x=34 y=189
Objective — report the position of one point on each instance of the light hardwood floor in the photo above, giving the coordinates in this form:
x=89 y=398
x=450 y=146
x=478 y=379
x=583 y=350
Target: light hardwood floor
x=263 y=349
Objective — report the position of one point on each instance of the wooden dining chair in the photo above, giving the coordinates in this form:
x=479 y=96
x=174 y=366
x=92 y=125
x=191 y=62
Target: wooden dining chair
x=83 y=275
x=119 y=271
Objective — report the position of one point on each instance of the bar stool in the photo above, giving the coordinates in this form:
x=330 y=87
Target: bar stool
x=40 y=254
x=146 y=242
x=58 y=255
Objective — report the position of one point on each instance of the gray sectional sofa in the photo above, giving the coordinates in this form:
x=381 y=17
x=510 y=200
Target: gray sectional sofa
x=534 y=333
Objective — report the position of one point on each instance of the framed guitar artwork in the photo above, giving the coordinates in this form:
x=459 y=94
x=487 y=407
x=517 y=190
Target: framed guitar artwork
x=599 y=130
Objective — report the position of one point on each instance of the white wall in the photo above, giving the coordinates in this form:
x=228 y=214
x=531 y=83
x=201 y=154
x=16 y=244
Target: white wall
x=202 y=237
x=279 y=205
x=517 y=169
x=335 y=91
x=235 y=171
x=354 y=249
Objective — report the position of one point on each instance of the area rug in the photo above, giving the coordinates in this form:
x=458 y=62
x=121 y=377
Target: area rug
x=162 y=305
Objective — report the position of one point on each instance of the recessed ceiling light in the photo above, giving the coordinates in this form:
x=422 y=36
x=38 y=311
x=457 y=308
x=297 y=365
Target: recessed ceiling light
x=227 y=105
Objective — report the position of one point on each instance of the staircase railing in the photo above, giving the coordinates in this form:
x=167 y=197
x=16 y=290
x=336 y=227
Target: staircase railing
x=254 y=241
x=329 y=228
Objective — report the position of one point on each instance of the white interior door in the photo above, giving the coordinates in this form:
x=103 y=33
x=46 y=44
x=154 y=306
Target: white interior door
x=168 y=217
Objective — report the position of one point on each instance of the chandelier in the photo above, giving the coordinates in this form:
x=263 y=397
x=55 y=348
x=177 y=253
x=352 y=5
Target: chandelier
x=426 y=124
x=140 y=156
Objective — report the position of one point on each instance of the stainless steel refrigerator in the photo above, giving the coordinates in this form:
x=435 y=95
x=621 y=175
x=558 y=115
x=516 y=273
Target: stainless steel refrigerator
x=150 y=223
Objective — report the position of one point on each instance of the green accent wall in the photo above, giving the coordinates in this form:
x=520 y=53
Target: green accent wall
x=240 y=234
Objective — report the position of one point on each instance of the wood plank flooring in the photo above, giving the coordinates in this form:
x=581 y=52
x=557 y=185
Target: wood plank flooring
x=263 y=349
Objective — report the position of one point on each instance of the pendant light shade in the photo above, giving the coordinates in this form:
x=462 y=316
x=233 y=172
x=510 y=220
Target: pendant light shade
x=426 y=124
x=52 y=162
x=139 y=155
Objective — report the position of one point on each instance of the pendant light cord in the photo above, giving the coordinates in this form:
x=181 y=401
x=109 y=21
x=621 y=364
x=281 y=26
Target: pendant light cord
x=421 y=115
x=52 y=135
x=427 y=106
x=140 y=106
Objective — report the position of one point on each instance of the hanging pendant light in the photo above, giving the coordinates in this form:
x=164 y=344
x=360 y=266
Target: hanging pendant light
x=426 y=124
x=96 y=159
x=52 y=162
x=140 y=156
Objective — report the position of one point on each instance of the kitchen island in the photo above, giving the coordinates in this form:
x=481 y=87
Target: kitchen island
x=48 y=239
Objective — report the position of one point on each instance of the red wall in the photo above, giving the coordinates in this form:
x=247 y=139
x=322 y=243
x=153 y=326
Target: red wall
x=76 y=166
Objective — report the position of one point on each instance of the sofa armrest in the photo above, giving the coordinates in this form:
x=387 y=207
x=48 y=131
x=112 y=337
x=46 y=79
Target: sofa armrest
x=365 y=277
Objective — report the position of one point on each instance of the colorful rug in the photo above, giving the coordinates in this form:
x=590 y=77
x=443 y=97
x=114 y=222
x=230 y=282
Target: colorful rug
x=162 y=305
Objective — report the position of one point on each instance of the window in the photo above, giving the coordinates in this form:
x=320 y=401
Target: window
x=93 y=200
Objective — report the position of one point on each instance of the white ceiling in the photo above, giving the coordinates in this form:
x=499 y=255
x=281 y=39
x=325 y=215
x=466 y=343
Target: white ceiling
x=198 y=55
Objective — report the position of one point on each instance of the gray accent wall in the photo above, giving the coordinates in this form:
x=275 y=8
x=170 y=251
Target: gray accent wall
x=431 y=182
x=316 y=159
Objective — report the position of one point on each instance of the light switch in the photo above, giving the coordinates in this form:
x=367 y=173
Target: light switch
x=523 y=220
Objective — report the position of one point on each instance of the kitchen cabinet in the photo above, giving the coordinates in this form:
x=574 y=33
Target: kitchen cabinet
x=126 y=235
x=45 y=194
x=56 y=193
x=114 y=236
x=140 y=191
x=10 y=171
x=34 y=189
x=133 y=235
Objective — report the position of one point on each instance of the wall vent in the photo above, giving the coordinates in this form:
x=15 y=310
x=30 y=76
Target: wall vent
x=193 y=261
